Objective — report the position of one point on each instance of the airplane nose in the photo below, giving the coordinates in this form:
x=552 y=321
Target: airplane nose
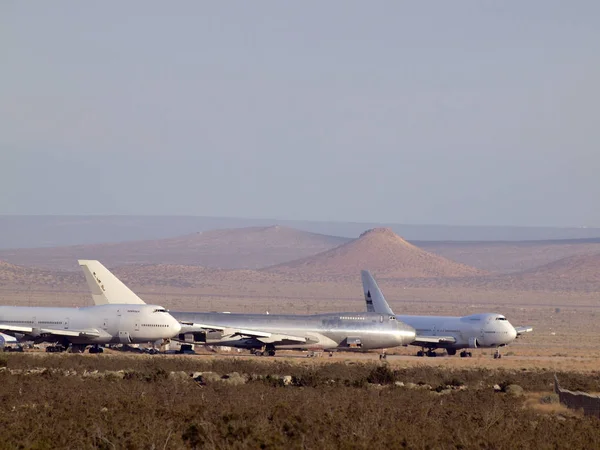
x=512 y=333
x=175 y=326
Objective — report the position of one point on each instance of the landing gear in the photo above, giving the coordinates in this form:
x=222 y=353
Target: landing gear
x=55 y=348
x=18 y=348
x=429 y=352
x=382 y=356
x=96 y=349
x=497 y=354
x=451 y=351
x=78 y=348
x=465 y=354
x=268 y=350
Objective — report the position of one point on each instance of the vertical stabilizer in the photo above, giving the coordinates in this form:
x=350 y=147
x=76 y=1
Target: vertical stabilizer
x=373 y=296
x=105 y=287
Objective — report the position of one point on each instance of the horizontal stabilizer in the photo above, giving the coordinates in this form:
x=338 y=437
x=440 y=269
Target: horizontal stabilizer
x=523 y=330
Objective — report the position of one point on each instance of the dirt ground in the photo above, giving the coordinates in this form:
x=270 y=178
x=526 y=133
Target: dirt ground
x=565 y=324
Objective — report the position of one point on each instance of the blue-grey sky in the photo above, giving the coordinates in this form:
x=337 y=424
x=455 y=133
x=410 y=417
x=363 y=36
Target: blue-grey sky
x=471 y=112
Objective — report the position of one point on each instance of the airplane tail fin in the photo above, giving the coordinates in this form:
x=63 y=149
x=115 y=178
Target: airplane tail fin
x=105 y=287
x=373 y=295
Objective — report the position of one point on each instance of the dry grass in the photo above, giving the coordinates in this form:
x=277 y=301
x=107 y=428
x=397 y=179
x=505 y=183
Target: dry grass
x=149 y=409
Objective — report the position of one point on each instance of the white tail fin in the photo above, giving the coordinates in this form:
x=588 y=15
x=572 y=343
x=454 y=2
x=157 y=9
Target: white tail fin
x=105 y=287
x=373 y=296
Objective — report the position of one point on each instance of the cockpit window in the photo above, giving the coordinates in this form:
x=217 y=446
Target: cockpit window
x=500 y=318
x=160 y=310
x=392 y=317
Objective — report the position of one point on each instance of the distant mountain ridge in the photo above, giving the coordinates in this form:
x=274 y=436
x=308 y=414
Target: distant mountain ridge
x=398 y=262
x=53 y=231
x=247 y=248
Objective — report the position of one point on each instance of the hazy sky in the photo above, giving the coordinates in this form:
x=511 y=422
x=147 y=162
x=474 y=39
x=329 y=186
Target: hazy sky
x=469 y=112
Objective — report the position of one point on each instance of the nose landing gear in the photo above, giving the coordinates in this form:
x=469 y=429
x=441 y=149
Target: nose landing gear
x=465 y=354
x=497 y=354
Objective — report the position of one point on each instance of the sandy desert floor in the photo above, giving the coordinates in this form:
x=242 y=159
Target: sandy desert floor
x=565 y=335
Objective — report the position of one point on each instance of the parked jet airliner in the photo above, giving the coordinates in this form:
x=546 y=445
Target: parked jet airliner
x=91 y=325
x=264 y=333
x=447 y=332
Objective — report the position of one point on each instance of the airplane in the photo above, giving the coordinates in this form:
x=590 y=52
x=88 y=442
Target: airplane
x=263 y=334
x=447 y=332
x=91 y=325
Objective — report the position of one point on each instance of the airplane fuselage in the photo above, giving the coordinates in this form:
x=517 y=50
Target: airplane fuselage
x=323 y=331
x=477 y=330
x=106 y=323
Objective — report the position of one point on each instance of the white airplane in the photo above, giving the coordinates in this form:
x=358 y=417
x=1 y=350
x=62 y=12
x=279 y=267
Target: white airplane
x=447 y=332
x=264 y=333
x=91 y=325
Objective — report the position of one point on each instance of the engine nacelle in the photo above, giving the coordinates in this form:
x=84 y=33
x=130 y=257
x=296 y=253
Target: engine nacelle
x=472 y=342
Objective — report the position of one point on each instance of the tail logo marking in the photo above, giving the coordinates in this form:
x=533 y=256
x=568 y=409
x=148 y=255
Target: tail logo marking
x=99 y=282
x=369 y=299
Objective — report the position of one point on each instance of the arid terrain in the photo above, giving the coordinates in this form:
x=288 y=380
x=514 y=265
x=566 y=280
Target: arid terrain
x=560 y=299
x=246 y=248
x=511 y=256
x=161 y=401
x=259 y=247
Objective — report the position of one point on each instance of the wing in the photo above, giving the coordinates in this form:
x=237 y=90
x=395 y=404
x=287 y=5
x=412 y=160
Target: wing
x=37 y=332
x=523 y=330
x=428 y=340
x=228 y=332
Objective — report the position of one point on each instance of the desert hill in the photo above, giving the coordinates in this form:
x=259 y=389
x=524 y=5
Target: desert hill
x=381 y=251
x=510 y=256
x=62 y=230
x=246 y=248
x=23 y=278
x=181 y=276
x=579 y=272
